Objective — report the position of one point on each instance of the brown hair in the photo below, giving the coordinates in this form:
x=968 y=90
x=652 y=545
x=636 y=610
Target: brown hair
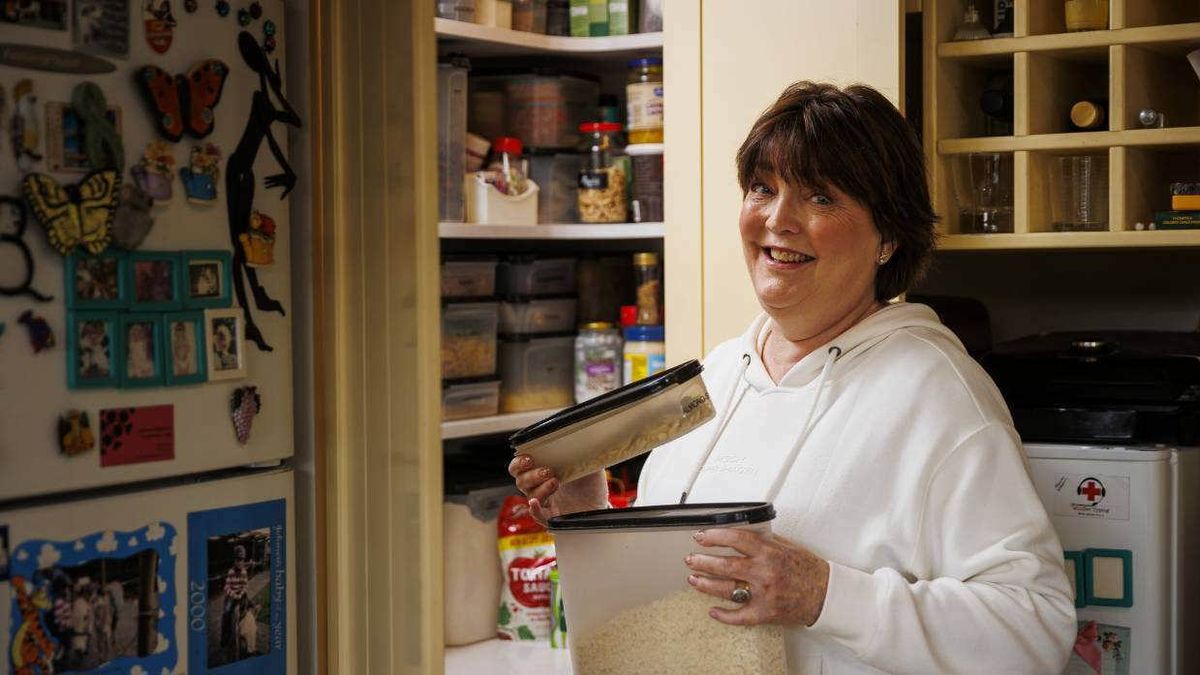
x=817 y=134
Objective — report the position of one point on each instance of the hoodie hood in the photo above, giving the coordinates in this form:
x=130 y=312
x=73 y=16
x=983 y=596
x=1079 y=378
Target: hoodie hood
x=852 y=344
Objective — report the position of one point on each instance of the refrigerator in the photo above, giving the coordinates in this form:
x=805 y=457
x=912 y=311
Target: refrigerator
x=146 y=401
x=1129 y=521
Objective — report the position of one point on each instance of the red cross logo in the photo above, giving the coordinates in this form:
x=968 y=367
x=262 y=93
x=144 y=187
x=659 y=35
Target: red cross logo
x=1092 y=489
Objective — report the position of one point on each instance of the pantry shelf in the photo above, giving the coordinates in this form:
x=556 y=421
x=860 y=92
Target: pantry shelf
x=496 y=424
x=1070 y=240
x=506 y=657
x=561 y=231
x=474 y=40
x=1177 y=34
x=1072 y=141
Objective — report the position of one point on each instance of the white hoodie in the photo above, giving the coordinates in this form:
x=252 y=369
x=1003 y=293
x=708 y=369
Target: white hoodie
x=911 y=482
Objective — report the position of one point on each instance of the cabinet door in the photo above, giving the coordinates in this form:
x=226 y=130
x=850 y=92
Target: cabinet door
x=749 y=52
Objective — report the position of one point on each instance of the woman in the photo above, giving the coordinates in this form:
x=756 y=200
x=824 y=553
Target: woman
x=909 y=538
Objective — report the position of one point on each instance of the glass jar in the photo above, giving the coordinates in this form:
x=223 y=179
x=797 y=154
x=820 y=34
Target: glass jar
x=602 y=181
x=644 y=100
x=645 y=270
x=598 y=360
x=558 y=17
x=508 y=174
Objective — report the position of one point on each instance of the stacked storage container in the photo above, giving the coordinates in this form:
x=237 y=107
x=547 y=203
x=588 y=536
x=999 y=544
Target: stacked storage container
x=537 y=326
x=469 y=322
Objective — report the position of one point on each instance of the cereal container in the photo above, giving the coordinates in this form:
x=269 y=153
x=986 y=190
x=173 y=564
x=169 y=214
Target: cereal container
x=627 y=600
x=469 y=339
x=603 y=177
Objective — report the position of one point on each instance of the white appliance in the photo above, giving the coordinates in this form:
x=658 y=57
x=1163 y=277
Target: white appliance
x=162 y=542
x=1129 y=521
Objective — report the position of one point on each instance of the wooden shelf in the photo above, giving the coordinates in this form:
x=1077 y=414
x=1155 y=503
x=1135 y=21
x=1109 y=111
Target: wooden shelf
x=475 y=40
x=507 y=657
x=573 y=232
x=1070 y=240
x=1072 y=141
x=498 y=424
x=1174 y=37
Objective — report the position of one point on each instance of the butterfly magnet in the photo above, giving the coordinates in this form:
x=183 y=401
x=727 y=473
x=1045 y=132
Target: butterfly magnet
x=75 y=215
x=159 y=23
x=183 y=103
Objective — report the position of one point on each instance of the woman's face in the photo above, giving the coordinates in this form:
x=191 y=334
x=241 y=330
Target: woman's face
x=812 y=254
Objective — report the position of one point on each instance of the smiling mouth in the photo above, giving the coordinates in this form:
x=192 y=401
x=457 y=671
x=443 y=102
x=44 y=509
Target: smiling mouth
x=783 y=255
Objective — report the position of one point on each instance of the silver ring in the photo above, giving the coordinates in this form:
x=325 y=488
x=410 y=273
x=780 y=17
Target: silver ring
x=741 y=592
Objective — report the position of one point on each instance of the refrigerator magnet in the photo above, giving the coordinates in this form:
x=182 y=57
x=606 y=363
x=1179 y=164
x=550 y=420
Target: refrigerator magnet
x=97 y=281
x=142 y=350
x=75 y=435
x=224 y=333
x=102 y=27
x=159 y=24
x=154 y=280
x=4 y=553
x=137 y=435
x=13 y=234
x=155 y=172
x=237 y=581
x=102 y=144
x=258 y=243
x=120 y=583
x=66 y=131
x=94 y=349
x=206 y=279
x=26 y=129
x=48 y=14
x=185 y=341
x=133 y=220
x=184 y=103
x=244 y=406
x=201 y=174
x=41 y=337
x=75 y=215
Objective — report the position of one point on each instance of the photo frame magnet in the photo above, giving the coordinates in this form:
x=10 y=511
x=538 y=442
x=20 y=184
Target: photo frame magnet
x=225 y=340
x=142 y=350
x=95 y=282
x=155 y=282
x=65 y=148
x=95 y=349
x=206 y=279
x=185 y=357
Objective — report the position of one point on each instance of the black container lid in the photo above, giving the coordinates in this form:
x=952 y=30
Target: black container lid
x=630 y=393
x=673 y=515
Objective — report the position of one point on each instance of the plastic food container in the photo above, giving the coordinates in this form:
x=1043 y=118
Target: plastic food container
x=627 y=599
x=536 y=373
x=469 y=339
x=529 y=16
x=647 y=159
x=459 y=10
x=545 y=111
x=489 y=206
x=619 y=425
x=536 y=277
x=558 y=176
x=468 y=278
x=452 y=139
x=464 y=399
x=472 y=587
x=547 y=315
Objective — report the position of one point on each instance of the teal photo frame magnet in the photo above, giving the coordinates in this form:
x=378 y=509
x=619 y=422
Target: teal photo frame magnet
x=96 y=281
x=205 y=279
x=94 y=350
x=184 y=345
x=155 y=281
x=142 y=350
x=1090 y=557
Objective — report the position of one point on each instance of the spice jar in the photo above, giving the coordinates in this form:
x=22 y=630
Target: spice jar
x=598 y=360
x=645 y=269
x=644 y=100
x=602 y=180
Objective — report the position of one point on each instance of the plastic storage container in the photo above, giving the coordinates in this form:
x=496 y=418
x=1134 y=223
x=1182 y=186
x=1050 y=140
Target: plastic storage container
x=452 y=139
x=647 y=198
x=527 y=276
x=645 y=352
x=529 y=16
x=464 y=399
x=498 y=13
x=469 y=339
x=467 y=278
x=547 y=315
x=557 y=176
x=627 y=599
x=536 y=372
x=488 y=206
x=650 y=16
x=459 y=10
x=619 y=425
x=472 y=577
x=545 y=111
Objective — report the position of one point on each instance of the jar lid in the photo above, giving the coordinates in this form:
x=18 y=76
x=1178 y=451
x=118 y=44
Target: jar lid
x=605 y=127
x=645 y=334
x=1086 y=114
x=636 y=149
x=628 y=315
x=508 y=144
x=646 y=61
x=598 y=325
x=645 y=258
x=675 y=515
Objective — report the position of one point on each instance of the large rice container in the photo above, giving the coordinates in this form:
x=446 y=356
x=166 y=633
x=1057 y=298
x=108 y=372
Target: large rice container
x=619 y=425
x=629 y=607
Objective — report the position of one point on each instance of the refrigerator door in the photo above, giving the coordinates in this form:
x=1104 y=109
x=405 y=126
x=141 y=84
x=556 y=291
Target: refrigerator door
x=191 y=578
x=1112 y=508
x=122 y=369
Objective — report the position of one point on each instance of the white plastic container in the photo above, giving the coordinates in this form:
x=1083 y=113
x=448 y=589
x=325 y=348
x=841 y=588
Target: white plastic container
x=488 y=206
x=452 y=138
x=472 y=577
x=628 y=603
x=549 y=315
x=527 y=276
x=619 y=425
x=465 y=400
x=537 y=373
x=468 y=278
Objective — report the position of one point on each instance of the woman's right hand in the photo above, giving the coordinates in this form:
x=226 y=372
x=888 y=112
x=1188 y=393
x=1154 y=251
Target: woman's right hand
x=549 y=498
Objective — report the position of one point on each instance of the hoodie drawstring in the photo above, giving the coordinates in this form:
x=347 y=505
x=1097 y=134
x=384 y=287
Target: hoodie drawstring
x=734 y=400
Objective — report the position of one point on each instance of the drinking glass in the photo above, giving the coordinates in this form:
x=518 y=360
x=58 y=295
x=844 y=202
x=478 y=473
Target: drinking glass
x=1079 y=197
x=983 y=187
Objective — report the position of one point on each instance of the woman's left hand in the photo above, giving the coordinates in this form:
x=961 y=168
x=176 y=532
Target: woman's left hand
x=787 y=582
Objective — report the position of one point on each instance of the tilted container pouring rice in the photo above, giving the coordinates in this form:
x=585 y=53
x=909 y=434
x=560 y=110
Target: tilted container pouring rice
x=629 y=608
x=618 y=425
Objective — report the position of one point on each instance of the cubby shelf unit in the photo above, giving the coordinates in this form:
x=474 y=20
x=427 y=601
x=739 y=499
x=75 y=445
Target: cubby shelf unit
x=1139 y=62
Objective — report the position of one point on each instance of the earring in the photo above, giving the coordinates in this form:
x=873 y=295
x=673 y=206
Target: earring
x=883 y=258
